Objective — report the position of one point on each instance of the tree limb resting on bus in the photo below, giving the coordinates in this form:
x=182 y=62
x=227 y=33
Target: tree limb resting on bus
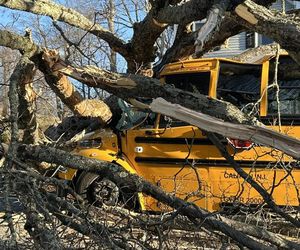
x=137 y=184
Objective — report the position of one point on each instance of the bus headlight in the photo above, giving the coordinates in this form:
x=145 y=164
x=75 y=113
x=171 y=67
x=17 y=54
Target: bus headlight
x=92 y=143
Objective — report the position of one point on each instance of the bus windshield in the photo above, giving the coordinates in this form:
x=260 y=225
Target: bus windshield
x=197 y=83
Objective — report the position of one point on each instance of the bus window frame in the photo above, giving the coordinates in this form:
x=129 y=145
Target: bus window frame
x=212 y=88
x=264 y=83
x=264 y=79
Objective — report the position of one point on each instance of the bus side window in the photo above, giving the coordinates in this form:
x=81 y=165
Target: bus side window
x=289 y=89
x=240 y=85
x=289 y=98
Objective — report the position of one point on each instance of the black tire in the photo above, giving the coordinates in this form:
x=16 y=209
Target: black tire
x=96 y=190
x=85 y=186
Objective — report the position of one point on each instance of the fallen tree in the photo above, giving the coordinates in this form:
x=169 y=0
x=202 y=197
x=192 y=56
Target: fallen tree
x=137 y=184
x=131 y=87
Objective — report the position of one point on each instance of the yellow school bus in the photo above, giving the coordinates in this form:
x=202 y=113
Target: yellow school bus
x=179 y=157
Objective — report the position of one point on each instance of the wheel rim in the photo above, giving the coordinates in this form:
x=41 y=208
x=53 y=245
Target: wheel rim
x=104 y=191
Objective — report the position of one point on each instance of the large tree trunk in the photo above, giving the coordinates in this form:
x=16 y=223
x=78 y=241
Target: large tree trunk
x=27 y=108
x=111 y=26
x=67 y=92
x=4 y=89
x=258 y=134
x=130 y=87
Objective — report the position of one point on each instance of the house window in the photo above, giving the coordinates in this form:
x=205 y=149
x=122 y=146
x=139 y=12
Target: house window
x=198 y=25
x=250 y=40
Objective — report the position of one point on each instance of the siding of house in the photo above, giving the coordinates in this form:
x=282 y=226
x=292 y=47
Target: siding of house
x=235 y=45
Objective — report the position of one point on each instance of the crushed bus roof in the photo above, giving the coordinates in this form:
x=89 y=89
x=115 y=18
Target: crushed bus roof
x=206 y=64
x=196 y=65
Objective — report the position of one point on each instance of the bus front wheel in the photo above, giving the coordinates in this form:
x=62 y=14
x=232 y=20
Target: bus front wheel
x=97 y=190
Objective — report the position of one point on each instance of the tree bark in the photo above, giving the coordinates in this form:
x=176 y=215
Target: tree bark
x=130 y=87
x=4 y=89
x=42 y=235
x=66 y=91
x=27 y=97
x=140 y=51
x=111 y=26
